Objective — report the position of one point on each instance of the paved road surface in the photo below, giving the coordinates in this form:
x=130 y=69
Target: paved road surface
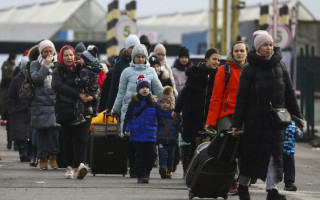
x=18 y=181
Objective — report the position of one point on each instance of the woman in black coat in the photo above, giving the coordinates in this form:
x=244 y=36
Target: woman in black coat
x=19 y=113
x=194 y=100
x=74 y=137
x=263 y=82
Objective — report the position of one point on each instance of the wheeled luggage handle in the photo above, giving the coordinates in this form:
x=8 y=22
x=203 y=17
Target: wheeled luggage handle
x=112 y=129
x=228 y=132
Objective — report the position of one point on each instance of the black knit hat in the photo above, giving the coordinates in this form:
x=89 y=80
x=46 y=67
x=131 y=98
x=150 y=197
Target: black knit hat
x=145 y=41
x=154 y=60
x=183 y=51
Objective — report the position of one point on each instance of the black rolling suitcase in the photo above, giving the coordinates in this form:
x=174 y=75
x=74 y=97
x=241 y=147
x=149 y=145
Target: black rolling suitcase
x=206 y=176
x=108 y=153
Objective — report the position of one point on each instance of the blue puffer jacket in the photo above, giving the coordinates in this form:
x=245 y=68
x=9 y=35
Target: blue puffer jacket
x=144 y=127
x=289 y=146
x=168 y=131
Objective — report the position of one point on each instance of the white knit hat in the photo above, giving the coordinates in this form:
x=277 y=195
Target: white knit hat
x=45 y=43
x=131 y=41
x=139 y=49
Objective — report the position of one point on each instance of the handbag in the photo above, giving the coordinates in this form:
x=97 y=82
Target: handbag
x=26 y=91
x=281 y=117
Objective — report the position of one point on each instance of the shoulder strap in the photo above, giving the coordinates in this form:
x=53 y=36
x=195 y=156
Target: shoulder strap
x=140 y=111
x=227 y=70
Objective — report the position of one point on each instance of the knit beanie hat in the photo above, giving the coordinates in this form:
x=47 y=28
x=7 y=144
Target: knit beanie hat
x=24 y=61
x=154 y=60
x=167 y=94
x=159 y=48
x=183 y=51
x=139 y=49
x=132 y=40
x=142 y=82
x=80 y=47
x=90 y=56
x=261 y=37
x=45 y=43
x=145 y=41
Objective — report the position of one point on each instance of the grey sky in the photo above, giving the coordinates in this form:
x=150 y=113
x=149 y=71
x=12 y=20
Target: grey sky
x=150 y=7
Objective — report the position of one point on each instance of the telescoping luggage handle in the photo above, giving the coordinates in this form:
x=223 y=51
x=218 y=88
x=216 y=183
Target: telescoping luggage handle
x=224 y=144
x=112 y=129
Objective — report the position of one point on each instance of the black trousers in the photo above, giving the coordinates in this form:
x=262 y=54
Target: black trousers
x=289 y=168
x=75 y=142
x=146 y=154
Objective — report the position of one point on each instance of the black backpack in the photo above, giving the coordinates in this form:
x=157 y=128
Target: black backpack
x=26 y=91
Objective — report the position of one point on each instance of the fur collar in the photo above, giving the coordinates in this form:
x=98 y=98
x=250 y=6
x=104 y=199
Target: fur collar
x=33 y=53
x=134 y=97
x=165 y=73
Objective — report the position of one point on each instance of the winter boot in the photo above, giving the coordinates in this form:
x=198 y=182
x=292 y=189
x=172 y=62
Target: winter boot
x=290 y=187
x=43 y=163
x=53 y=161
x=243 y=192
x=163 y=171
x=274 y=195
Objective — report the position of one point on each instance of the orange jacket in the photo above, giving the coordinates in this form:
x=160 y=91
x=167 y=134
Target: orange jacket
x=223 y=101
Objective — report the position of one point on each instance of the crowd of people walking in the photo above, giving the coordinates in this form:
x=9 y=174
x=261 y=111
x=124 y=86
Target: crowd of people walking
x=156 y=103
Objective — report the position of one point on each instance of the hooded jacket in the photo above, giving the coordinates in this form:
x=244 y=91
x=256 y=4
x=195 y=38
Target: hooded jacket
x=128 y=85
x=194 y=99
x=144 y=127
x=261 y=82
x=123 y=63
x=223 y=100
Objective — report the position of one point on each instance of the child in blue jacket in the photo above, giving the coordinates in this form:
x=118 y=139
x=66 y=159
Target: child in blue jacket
x=141 y=127
x=292 y=133
x=167 y=135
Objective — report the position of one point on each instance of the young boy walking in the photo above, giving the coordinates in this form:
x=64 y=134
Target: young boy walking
x=292 y=133
x=167 y=135
x=140 y=125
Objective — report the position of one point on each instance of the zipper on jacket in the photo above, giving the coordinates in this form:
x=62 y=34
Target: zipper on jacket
x=225 y=104
x=205 y=98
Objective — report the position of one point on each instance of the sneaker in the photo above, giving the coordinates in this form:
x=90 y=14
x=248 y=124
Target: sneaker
x=82 y=171
x=34 y=161
x=143 y=180
x=69 y=173
x=163 y=171
x=290 y=187
x=274 y=195
x=234 y=188
x=78 y=121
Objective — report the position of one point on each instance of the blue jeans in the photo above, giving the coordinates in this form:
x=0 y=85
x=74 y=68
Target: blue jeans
x=166 y=155
x=34 y=138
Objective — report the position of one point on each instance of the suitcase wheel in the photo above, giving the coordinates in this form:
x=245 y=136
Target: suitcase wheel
x=94 y=174
x=123 y=175
x=191 y=195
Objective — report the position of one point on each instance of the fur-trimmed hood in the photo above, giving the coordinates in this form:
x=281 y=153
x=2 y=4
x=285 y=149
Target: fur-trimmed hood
x=165 y=73
x=134 y=97
x=33 y=53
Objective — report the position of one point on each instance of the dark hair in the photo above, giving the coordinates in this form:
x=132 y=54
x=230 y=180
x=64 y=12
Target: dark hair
x=211 y=51
x=239 y=42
